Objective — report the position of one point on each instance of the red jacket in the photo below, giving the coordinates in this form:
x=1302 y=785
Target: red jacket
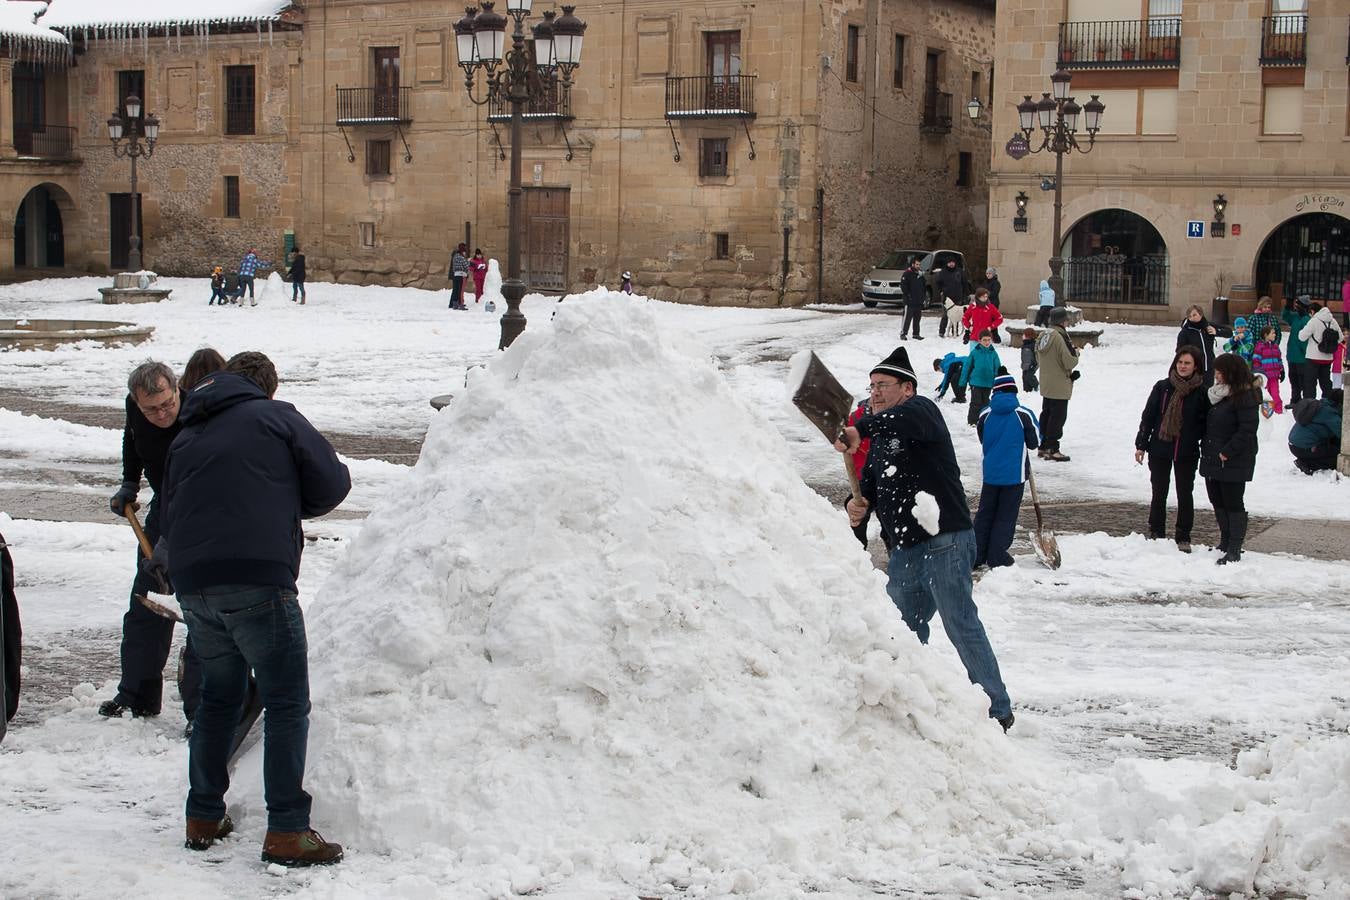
x=979 y=316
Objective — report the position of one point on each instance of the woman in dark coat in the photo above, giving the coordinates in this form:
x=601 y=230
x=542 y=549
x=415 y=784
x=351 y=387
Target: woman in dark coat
x=1228 y=450
x=1170 y=431
x=1197 y=332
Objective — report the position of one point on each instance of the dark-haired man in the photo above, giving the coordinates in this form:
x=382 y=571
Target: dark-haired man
x=912 y=480
x=239 y=478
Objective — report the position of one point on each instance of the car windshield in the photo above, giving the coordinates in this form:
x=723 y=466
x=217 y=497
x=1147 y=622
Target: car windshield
x=899 y=259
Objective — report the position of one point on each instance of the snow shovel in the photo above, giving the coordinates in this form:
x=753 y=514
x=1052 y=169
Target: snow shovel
x=822 y=399
x=154 y=603
x=1042 y=541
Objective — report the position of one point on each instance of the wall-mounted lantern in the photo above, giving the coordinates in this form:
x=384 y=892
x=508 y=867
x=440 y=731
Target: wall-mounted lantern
x=1020 y=220
x=1217 y=227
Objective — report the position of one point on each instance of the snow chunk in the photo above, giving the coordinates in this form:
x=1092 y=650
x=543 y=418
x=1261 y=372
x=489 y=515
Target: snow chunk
x=926 y=511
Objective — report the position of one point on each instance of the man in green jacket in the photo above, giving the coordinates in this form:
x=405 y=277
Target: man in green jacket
x=1315 y=439
x=1296 y=351
x=1058 y=361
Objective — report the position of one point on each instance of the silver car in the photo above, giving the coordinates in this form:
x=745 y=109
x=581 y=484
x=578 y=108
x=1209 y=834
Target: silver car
x=882 y=284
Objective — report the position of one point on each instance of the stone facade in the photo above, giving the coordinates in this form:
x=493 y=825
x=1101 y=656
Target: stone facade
x=1270 y=137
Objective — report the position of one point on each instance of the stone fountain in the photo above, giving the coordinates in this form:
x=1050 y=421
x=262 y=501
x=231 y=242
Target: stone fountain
x=134 y=287
x=48 y=334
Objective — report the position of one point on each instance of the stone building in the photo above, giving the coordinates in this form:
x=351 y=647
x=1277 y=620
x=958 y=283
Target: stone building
x=724 y=152
x=1222 y=166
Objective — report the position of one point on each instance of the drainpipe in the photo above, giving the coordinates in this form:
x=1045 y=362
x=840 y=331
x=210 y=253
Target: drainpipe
x=820 y=245
x=782 y=282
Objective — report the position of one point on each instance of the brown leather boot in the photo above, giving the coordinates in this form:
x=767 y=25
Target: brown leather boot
x=202 y=833
x=299 y=848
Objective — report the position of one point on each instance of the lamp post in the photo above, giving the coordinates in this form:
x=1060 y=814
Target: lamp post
x=479 y=39
x=1057 y=115
x=133 y=149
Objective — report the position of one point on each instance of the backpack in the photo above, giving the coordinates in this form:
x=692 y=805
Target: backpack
x=1327 y=341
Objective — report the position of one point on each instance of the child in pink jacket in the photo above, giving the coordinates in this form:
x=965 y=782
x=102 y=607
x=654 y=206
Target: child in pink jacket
x=1266 y=360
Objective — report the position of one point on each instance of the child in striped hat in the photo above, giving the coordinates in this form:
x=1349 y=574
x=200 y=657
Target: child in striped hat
x=1007 y=430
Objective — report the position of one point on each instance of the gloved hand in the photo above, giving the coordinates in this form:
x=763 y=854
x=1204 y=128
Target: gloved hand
x=156 y=568
x=1075 y=375
x=125 y=494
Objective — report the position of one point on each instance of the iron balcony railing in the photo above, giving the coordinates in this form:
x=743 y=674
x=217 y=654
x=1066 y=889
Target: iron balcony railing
x=1117 y=279
x=1284 y=40
x=710 y=96
x=1128 y=44
x=937 y=112
x=357 y=106
x=548 y=100
x=45 y=141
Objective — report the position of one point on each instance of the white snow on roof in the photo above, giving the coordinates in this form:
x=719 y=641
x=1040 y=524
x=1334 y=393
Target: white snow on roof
x=17 y=18
x=157 y=13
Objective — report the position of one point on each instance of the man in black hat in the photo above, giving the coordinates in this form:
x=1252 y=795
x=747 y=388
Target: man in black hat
x=912 y=480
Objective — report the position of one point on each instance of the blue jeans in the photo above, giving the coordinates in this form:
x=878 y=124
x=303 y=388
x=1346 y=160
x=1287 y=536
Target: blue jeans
x=934 y=577
x=235 y=628
x=297 y=290
x=245 y=281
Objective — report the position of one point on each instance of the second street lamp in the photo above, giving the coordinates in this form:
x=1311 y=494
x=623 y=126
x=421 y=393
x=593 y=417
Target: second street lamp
x=120 y=129
x=479 y=40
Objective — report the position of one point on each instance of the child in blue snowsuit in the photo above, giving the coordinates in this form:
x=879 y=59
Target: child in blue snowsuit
x=951 y=367
x=1007 y=430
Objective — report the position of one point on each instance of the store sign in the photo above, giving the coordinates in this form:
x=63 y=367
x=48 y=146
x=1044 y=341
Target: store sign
x=1195 y=229
x=1017 y=146
x=1320 y=203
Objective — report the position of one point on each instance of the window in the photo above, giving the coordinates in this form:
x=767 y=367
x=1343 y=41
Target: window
x=231 y=196
x=367 y=234
x=1283 y=109
x=974 y=85
x=386 y=65
x=851 y=54
x=724 y=55
x=30 y=96
x=239 y=100
x=964 y=177
x=1164 y=8
x=377 y=157
x=898 y=75
x=131 y=81
x=712 y=157
x=721 y=245
x=1298 y=7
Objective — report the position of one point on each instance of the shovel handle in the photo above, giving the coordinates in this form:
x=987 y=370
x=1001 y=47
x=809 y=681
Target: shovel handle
x=852 y=471
x=140 y=532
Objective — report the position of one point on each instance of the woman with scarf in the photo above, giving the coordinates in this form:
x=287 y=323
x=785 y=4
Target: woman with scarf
x=1198 y=332
x=1170 y=432
x=1228 y=449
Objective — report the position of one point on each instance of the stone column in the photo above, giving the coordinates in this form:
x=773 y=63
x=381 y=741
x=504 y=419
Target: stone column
x=7 y=108
x=1343 y=461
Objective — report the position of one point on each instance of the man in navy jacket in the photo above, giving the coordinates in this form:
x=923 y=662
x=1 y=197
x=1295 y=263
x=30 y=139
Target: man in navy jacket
x=240 y=476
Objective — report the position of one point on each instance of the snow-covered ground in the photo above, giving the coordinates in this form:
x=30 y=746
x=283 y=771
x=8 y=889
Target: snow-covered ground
x=614 y=511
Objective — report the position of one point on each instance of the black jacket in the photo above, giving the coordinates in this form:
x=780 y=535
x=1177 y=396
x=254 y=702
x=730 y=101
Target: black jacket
x=1194 y=409
x=298 y=267
x=994 y=287
x=953 y=283
x=242 y=474
x=144 y=446
x=1194 y=334
x=914 y=288
x=1230 y=429
x=11 y=639
x=911 y=452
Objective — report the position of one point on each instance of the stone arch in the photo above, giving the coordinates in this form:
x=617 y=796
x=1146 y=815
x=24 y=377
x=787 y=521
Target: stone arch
x=1115 y=255
x=1308 y=253
x=42 y=227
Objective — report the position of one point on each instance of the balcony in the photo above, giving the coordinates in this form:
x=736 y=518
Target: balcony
x=374 y=106
x=710 y=97
x=45 y=141
x=1129 y=44
x=937 y=112
x=548 y=102
x=1284 y=40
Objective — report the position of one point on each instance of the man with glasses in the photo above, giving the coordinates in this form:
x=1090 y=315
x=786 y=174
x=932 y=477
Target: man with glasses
x=151 y=426
x=913 y=481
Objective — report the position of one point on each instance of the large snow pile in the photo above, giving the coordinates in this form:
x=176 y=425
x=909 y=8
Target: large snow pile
x=604 y=633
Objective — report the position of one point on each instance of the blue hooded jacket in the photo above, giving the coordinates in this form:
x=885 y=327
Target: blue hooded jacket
x=949 y=361
x=1047 y=295
x=239 y=477
x=1007 y=430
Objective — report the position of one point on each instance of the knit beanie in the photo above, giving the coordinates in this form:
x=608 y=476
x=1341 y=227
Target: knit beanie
x=1239 y=322
x=1059 y=315
x=1004 y=382
x=897 y=365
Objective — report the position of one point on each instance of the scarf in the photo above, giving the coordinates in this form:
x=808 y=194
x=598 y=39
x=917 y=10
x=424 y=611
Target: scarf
x=1170 y=427
x=1217 y=392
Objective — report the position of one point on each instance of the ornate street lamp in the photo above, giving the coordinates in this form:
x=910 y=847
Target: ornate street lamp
x=127 y=144
x=480 y=42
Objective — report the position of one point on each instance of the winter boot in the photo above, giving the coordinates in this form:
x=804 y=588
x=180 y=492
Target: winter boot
x=299 y=848
x=1237 y=533
x=202 y=833
x=1221 y=515
x=113 y=710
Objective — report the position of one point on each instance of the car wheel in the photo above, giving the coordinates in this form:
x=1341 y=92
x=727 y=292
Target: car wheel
x=870 y=304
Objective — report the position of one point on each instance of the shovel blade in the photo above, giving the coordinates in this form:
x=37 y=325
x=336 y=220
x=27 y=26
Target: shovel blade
x=1047 y=549
x=822 y=399
x=159 y=605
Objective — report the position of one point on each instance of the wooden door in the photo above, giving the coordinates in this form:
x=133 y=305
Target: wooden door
x=386 y=64
x=546 y=237
x=119 y=230
x=724 y=69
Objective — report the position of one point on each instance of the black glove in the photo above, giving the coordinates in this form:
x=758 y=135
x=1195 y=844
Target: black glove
x=125 y=494
x=1282 y=377
x=156 y=568
x=1074 y=375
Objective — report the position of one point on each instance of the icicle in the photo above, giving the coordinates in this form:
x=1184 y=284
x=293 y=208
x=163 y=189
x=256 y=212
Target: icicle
x=257 y=23
x=269 y=32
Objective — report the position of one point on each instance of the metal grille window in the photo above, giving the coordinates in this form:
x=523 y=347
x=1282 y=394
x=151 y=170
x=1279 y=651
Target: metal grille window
x=851 y=54
x=898 y=76
x=239 y=100
x=721 y=245
x=377 y=157
x=712 y=157
x=231 y=196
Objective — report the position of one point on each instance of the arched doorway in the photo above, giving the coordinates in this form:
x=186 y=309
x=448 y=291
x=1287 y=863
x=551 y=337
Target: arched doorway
x=39 y=232
x=1115 y=256
x=1308 y=254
